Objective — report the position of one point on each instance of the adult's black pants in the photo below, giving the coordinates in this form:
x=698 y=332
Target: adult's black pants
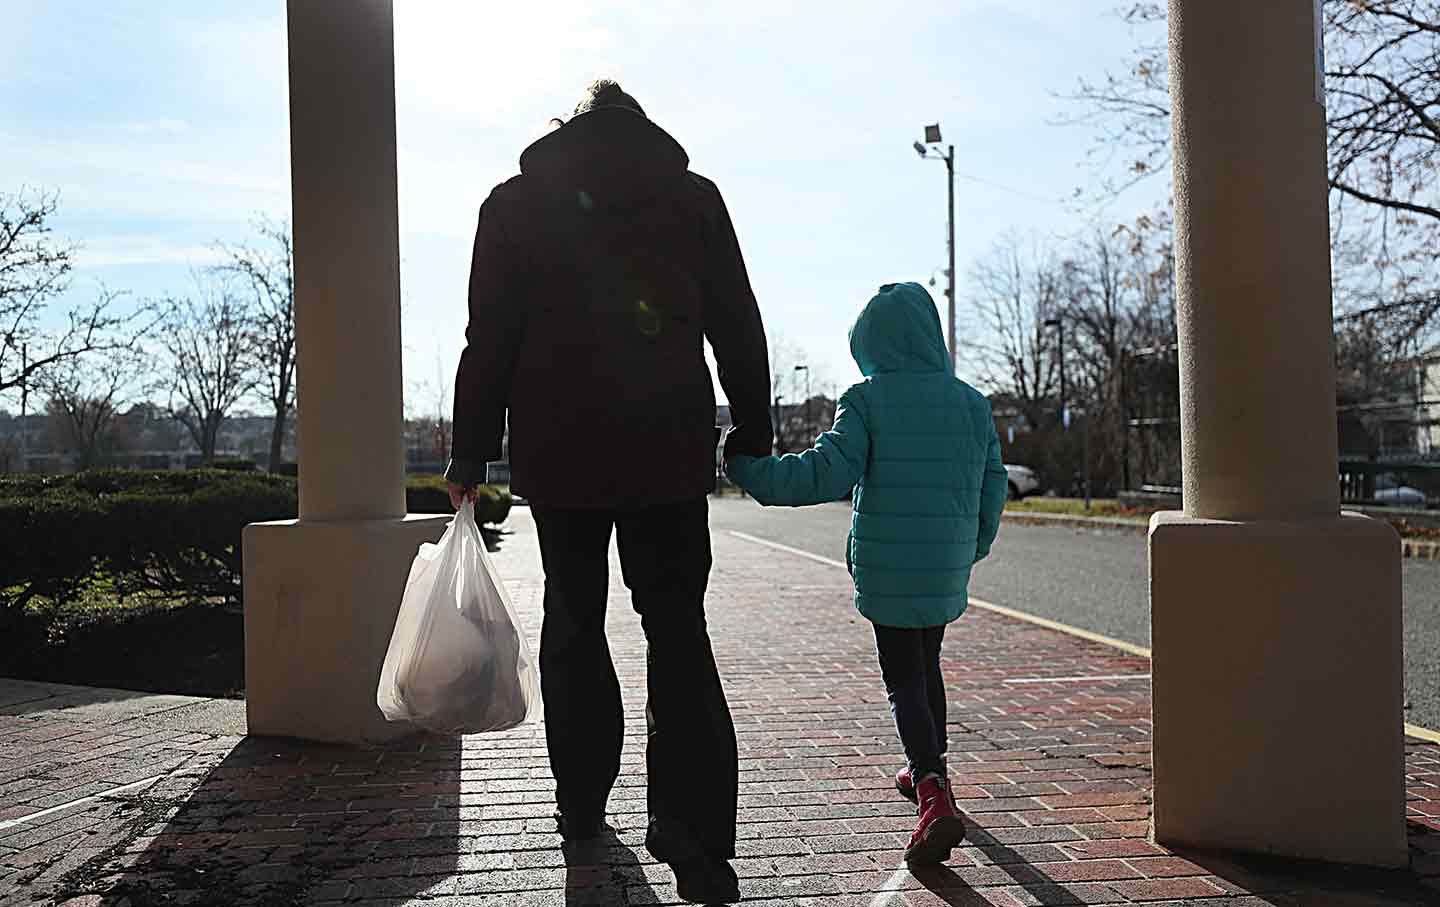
x=691 y=757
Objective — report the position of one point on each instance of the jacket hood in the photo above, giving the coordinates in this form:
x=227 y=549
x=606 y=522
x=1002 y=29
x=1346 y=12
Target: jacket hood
x=899 y=331
x=608 y=157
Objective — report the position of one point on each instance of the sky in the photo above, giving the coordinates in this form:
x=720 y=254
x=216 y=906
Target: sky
x=163 y=127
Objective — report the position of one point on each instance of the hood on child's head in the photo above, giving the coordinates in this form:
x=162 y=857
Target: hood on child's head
x=899 y=331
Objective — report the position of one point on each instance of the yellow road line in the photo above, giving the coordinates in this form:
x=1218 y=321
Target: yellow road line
x=1422 y=733
x=1412 y=730
x=1049 y=624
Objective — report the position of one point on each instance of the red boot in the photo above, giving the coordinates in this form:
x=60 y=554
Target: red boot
x=940 y=828
x=905 y=784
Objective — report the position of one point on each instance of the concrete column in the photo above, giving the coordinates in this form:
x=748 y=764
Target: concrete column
x=1275 y=618
x=347 y=259
x=322 y=592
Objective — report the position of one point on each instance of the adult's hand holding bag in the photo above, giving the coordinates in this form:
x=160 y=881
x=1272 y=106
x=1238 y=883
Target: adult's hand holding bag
x=458 y=662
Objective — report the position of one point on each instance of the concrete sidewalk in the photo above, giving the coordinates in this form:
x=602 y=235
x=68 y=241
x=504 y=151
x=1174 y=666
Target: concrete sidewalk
x=110 y=798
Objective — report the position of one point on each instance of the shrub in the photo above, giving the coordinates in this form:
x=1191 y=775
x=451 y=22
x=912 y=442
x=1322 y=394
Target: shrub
x=176 y=533
x=50 y=536
x=233 y=464
x=170 y=533
x=428 y=494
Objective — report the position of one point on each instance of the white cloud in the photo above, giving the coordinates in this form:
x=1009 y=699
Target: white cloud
x=158 y=127
x=130 y=249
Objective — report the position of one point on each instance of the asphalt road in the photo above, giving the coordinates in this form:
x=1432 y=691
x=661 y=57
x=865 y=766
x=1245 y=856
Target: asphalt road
x=1095 y=580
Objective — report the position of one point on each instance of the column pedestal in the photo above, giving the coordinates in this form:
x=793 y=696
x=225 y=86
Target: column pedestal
x=1277 y=687
x=320 y=604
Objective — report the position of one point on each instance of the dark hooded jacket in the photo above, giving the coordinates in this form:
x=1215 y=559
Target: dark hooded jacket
x=598 y=274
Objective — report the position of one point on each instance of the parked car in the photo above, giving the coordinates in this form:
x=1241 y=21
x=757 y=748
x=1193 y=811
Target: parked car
x=1388 y=490
x=1023 y=481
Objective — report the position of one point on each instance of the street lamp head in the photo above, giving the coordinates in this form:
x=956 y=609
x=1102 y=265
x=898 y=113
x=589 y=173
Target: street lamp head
x=802 y=368
x=919 y=149
x=1052 y=322
x=932 y=134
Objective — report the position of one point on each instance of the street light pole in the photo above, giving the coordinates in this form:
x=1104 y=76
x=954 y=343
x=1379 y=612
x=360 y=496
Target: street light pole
x=1059 y=325
x=950 y=191
x=932 y=137
x=24 y=407
x=775 y=443
x=808 y=420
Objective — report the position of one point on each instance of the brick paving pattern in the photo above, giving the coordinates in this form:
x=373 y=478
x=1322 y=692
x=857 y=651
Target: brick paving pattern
x=1052 y=769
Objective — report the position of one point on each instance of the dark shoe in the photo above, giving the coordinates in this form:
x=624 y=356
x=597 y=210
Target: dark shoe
x=706 y=881
x=941 y=828
x=575 y=829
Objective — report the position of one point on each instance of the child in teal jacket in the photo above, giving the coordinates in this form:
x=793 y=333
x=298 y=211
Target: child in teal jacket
x=918 y=447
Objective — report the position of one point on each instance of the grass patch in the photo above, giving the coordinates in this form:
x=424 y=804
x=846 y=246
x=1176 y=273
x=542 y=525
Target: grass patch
x=1106 y=507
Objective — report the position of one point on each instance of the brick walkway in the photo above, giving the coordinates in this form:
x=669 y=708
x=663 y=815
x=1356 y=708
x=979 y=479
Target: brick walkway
x=1051 y=764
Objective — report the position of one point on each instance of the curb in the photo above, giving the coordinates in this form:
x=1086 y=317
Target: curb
x=1113 y=524
x=1418 y=549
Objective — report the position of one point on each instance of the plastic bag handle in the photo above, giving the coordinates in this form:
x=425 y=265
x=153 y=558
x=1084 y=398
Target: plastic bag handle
x=467 y=514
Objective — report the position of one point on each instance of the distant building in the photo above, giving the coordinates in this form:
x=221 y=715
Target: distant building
x=1427 y=410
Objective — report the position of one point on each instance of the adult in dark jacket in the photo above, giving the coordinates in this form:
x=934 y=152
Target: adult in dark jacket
x=598 y=274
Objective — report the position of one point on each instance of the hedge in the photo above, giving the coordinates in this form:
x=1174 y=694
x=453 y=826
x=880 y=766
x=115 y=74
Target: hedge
x=175 y=533
x=428 y=494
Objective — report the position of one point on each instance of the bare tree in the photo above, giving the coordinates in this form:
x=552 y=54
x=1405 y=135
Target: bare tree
x=1119 y=302
x=210 y=342
x=267 y=271
x=35 y=270
x=1149 y=243
x=85 y=395
x=1119 y=297
x=1017 y=288
x=1383 y=93
x=1382 y=81
x=799 y=416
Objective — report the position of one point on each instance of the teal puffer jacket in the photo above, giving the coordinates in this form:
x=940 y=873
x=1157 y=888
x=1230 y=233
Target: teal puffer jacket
x=919 y=448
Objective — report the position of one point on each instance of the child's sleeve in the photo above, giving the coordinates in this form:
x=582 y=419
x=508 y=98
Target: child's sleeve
x=994 y=490
x=825 y=472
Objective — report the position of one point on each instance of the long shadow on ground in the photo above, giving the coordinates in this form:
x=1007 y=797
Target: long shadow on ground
x=949 y=887
x=283 y=822
x=604 y=872
x=1267 y=880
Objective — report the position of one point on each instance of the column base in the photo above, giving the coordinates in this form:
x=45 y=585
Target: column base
x=1278 y=687
x=320 y=604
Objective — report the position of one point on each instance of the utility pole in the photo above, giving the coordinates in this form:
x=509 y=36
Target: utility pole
x=932 y=137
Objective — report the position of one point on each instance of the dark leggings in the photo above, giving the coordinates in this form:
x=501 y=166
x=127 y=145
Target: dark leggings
x=910 y=664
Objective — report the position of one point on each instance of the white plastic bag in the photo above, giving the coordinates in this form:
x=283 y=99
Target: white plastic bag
x=458 y=662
